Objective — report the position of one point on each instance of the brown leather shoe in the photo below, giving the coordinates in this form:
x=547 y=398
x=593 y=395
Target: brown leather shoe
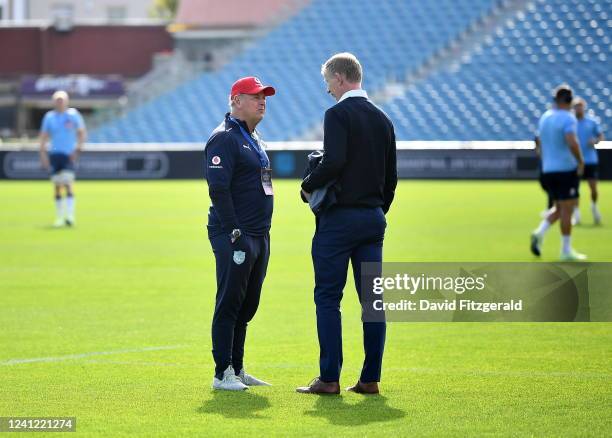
x=364 y=388
x=318 y=386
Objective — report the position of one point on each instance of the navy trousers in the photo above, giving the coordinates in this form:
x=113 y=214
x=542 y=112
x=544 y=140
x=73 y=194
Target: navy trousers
x=241 y=269
x=343 y=234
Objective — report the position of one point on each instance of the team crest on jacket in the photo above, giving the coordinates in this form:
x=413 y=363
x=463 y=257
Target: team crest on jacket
x=216 y=160
x=239 y=257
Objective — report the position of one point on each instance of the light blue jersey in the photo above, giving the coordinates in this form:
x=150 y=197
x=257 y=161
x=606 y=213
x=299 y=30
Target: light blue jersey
x=62 y=129
x=588 y=128
x=552 y=128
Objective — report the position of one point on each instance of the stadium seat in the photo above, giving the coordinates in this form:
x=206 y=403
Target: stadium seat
x=496 y=92
x=506 y=83
x=391 y=37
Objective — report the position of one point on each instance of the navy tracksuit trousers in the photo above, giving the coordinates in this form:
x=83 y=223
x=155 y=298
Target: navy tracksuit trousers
x=241 y=269
x=343 y=234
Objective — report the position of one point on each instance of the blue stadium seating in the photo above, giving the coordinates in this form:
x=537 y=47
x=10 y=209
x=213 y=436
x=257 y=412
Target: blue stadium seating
x=495 y=93
x=499 y=92
x=390 y=37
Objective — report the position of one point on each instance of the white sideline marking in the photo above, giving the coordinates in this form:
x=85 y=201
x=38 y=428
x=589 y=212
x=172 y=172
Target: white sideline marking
x=83 y=355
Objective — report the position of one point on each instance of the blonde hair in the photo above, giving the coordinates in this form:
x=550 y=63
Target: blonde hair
x=60 y=94
x=579 y=101
x=345 y=64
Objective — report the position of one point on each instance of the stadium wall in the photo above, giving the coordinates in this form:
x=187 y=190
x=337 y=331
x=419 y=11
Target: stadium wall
x=416 y=160
x=86 y=49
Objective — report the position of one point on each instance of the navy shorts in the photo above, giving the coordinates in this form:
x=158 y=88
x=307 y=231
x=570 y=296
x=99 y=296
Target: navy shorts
x=561 y=186
x=591 y=171
x=60 y=162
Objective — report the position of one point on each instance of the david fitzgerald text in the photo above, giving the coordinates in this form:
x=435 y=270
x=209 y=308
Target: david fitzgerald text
x=448 y=305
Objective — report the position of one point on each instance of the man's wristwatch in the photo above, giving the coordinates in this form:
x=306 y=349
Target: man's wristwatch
x=235 y=234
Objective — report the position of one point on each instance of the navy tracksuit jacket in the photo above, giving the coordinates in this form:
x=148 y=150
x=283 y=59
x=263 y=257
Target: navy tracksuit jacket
x=233 y=172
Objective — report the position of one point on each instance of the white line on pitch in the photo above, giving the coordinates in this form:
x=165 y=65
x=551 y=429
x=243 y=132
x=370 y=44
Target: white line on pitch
x=83 y=355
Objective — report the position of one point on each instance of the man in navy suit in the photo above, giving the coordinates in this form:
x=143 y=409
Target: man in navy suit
x=360 y=155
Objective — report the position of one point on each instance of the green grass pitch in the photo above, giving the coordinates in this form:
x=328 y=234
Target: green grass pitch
x=116 y=314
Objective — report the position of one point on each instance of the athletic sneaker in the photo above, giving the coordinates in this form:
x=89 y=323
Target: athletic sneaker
x=230 y=381
x=249 y=380
x=70 y=221
x=536 y=243
x=572 y=256
x=59 y=222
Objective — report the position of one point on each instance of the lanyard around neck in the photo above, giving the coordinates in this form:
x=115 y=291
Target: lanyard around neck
x=263 y=157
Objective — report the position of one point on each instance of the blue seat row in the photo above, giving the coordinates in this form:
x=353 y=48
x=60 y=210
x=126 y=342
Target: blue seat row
x=390 y=37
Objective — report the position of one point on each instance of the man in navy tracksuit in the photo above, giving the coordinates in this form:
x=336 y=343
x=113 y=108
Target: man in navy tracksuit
x=360 y=156
x=240 y=187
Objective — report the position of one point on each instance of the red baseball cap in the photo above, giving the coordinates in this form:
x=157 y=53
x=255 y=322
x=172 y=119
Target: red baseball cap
x=251 y=85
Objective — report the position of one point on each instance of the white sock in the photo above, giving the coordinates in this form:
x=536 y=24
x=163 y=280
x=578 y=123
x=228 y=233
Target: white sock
x=567 y=244
x=542 y=228
x=577 y=213
x=594 y=208
x=59 y=207
x=70 y=206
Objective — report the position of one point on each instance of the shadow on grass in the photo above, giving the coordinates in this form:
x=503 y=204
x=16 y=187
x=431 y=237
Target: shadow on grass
x=54 y=228
x=235 y=404
x=370 y=409
x=589 y=226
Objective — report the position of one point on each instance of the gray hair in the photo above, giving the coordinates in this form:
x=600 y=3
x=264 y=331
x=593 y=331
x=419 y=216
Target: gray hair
x=345 y=64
